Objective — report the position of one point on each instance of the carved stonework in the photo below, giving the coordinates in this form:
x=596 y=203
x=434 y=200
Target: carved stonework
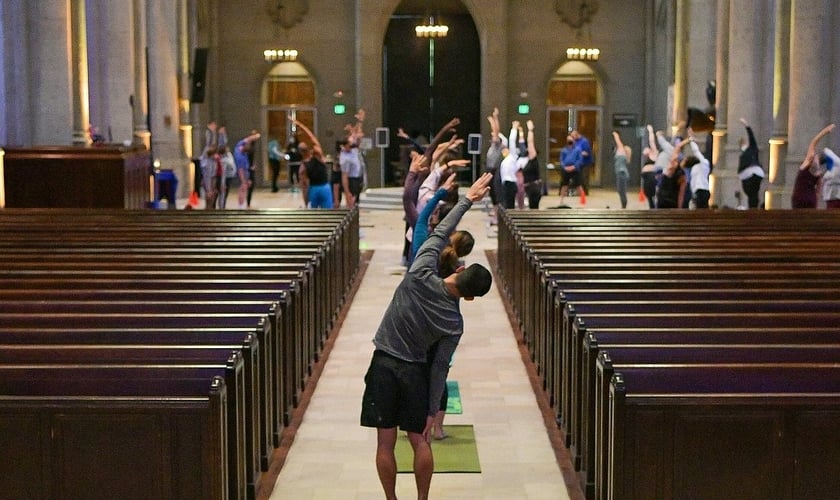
x=576 y=13
x=287 y=13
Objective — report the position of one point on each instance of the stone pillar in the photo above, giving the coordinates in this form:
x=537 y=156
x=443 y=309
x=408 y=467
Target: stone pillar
x=810 y=78
x=680 y=64
x=774 y=196
x=162 y=36
x=14 y=79
x=111 y=69
x=745 y=91
x=81 y=89
x=718 y=158
x=50 y=77
x=139 y=100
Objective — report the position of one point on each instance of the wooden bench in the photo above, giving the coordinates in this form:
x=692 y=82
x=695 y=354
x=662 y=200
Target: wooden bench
x=112 y=275
x=124 y=430
x=614 y=357
x=724 y=431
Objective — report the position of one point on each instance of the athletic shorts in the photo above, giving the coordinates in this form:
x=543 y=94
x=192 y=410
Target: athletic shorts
x=396 y=394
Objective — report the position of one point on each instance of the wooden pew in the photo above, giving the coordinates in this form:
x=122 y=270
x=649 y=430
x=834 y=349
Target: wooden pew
x=133 y=432
x=615 y=357
x=724 y=432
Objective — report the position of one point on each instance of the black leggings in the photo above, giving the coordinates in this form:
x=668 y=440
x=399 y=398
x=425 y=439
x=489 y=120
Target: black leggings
x=751 y=187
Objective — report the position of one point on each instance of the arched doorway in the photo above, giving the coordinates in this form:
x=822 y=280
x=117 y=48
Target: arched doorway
x=575 y=103
x=428 y=81
x=288 y=94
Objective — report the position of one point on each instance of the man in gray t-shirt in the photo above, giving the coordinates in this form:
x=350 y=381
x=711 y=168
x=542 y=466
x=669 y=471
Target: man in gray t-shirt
x=402 y=388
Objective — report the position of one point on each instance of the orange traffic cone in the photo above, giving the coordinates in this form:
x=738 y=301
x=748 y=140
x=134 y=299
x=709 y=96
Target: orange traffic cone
x=582 y=196
x=193 y=200
x=642 y=197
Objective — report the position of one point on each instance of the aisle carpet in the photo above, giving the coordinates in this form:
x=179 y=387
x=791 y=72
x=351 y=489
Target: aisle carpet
x=456 y=453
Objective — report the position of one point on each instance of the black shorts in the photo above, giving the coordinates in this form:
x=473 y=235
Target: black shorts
x=396 y=394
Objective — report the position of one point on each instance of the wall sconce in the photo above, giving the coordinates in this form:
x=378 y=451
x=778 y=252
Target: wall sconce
x=583 y=54
x=431 y=30
x=280 y=55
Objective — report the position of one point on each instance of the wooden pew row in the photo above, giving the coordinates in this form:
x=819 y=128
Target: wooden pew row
x=122 y=430
x=289 y=345
x=263 y=390
x=572 y=401
x=24 y=266
x=617 y=357
x=724 y=432
x=621 y=248
x=244 y=444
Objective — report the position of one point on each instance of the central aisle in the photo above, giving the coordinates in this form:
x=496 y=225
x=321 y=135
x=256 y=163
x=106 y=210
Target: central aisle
x=333 y=457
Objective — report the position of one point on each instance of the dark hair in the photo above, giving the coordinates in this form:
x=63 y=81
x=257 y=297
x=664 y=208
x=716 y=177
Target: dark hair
x=473 y=281
x=690 y=161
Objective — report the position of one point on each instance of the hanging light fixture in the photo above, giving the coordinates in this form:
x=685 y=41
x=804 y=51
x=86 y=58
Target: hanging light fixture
x=583 y=54
x=431 y=29
x=280 y=55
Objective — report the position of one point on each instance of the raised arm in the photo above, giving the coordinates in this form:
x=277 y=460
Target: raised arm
x=675 y=154
x=430 y=150
x=494 y=125
x=317 y=150
x=664 y=145
x=619 y=146
x=532 y=147
x=812 y=147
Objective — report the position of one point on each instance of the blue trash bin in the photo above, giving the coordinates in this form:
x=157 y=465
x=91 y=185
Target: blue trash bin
x=167 y=187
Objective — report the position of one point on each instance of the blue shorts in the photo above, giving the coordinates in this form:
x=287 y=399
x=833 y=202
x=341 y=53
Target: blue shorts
x=320 y=196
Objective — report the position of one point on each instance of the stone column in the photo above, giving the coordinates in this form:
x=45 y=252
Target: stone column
x=111 y=69
x=745 y=91
x=139 y=100
x=162 y=36
x=14 y=79
x=81 y=81
x=680 y=64
x=811 y=33
x=718 y=158
x=51 y=76
x=774 y=197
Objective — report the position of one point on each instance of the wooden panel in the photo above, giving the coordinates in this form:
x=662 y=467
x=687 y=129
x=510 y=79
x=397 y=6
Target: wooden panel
x=745 y=450
x=815 y=451
x=72 y=177
x=578 y=92
x=128 y=450
x=21 y=470
x=290 y=93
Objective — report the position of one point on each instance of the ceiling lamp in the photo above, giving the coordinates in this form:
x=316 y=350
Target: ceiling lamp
x=431 y=30
x=280 y=55
x=582 y=54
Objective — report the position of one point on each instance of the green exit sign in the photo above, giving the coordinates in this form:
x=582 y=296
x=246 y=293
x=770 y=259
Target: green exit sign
x=339 y=109
x=524 y=109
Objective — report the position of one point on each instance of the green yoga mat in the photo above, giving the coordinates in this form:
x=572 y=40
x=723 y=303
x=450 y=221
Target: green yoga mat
x=453 y=404
x=456 y=453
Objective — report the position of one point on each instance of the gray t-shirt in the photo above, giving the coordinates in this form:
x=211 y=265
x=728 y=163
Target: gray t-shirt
x=423 y=312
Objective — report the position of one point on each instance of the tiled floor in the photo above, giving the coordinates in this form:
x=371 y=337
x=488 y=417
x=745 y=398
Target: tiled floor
x=332 y=457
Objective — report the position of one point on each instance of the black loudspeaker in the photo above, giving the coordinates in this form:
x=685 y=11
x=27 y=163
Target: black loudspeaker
x=199 y=73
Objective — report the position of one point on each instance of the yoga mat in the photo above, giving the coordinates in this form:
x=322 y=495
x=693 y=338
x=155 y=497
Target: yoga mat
x=453 y=403
x=456 y=453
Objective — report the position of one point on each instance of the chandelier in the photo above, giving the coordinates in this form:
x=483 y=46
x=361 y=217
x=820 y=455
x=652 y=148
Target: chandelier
x=431 y=29
x=280 y=55
x=583 y=54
